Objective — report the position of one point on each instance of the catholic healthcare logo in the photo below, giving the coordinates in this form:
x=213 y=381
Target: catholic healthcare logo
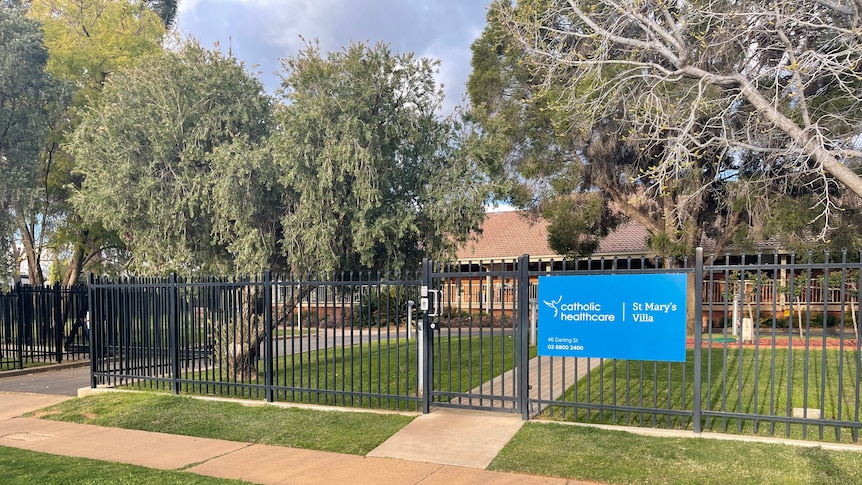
x=553 y=304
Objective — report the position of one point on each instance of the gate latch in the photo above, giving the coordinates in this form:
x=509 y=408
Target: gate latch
x=434 y=311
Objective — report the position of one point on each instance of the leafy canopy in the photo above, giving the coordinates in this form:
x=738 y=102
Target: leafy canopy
x=376 y=176
x=172 y=162
x=355 y=170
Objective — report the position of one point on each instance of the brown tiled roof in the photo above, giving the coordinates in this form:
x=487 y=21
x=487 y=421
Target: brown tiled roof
x=508 y=235
x=630 y=238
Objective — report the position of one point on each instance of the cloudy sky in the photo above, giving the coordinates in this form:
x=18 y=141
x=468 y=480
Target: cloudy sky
x=261 y=32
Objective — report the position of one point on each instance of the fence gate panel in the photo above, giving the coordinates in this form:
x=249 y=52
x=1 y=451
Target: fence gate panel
x=473 y=336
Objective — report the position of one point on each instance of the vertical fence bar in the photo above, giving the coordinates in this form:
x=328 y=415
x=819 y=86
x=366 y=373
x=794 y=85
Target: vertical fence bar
x=522 y=384
x=698 y=337
x=267 y=334
x=58 y=323
x=858 y=359
x=90 y=319
x=841 y=328
x=21 y=325
x=174 y=337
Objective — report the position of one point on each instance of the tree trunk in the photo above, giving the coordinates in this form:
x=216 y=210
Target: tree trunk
x=73 y=270
x=239 y=349
x=33 y=255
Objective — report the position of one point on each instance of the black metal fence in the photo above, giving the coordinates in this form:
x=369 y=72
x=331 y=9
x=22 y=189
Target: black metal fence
x=774 y=350
x=772 y=347
x=42 y=325
x=345 y=341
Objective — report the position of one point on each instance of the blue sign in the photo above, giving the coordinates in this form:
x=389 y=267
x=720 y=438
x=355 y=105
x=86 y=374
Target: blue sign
x=632 y=316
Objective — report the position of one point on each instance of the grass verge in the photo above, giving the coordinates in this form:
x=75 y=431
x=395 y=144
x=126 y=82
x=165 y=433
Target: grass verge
x=765 y=381
x=28 y=467
x=618 y=457
x=341 y=432
x=550 y=449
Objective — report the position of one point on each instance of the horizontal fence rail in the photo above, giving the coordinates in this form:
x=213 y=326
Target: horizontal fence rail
x=42 y=325
x=772 y=343
x=773 y=349
x=781 y=348
x=346 y=342
x=609 y=391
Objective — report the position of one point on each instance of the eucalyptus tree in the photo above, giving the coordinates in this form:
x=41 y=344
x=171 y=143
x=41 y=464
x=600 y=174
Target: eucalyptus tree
x=87 y=41
x=172 y=160
x=377 y=176
x=26 y=89
x=355 y=170
x=586 y=175
x=769 y=88
x=175 y=160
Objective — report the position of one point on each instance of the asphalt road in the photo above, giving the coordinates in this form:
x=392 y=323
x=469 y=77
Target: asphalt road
x=63 y=381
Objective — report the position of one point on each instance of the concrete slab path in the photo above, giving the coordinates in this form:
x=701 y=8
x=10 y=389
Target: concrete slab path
x=452 y=437
x=250 y=462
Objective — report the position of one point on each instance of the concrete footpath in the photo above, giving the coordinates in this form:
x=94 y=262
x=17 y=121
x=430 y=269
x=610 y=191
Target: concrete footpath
x=424 y=452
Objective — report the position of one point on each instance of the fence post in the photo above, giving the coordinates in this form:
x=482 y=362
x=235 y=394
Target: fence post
x=523 y=343
x=698 y=337
x=174 y=339
x=267 y=333
x=22 y=324
x=427 y=341
x=58 y=323
x=91 y=321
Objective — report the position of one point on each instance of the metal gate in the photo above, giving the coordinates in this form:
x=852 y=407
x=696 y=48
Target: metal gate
x=475 y=338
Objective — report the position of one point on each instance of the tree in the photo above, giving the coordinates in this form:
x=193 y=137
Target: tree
x=355 y=171
x=90 y=39
x=25 y=91
x=772 y=88
x=87 y=41
x=165 y=9
x=376 y=175
x=585 y=176
x=173 y=161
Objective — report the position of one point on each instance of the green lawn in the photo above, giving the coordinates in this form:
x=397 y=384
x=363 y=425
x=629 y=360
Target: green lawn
x=553 y=449
x=617 y=457
x=736 y=380
x=22 y=467
x=354 y=433
x=385 y=371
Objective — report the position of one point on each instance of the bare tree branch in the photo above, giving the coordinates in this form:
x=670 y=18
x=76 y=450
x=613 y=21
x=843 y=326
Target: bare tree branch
x=779 y=85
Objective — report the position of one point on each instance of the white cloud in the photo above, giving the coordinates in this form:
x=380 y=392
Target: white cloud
x=261 y=32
